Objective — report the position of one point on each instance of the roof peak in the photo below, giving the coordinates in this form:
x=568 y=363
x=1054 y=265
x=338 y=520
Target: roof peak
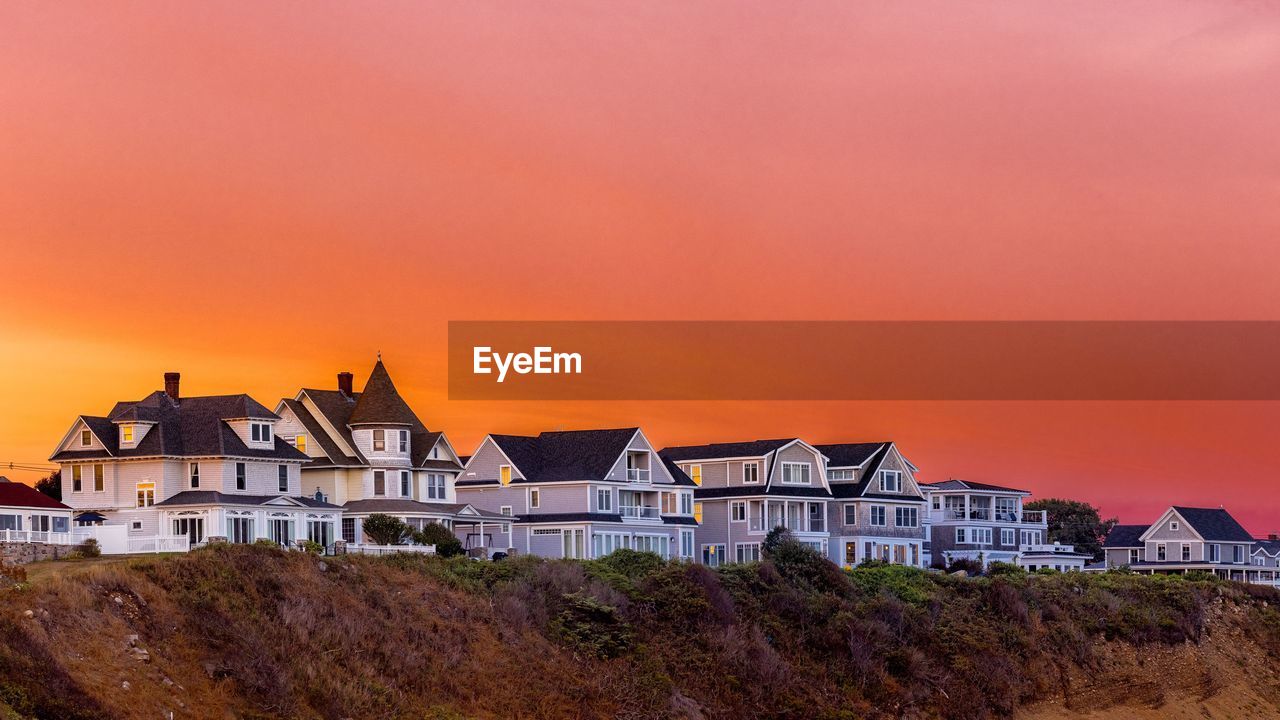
x=380 y=403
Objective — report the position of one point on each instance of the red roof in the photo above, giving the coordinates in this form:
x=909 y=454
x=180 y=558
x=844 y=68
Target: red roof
x=13 y=494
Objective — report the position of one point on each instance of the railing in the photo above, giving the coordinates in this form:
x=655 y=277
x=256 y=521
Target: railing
x=1034 y=517
x=1048 y=548
x=638 y=511
x=159 y=544
x=390 y=549
x=74 y=537
x=1028 y=517
x=637 y=475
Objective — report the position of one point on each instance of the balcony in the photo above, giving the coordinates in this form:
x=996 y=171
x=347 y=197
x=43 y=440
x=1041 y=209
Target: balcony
x=1026 y=517
x=1033 y=517
x=640 y=512
x=637 y=475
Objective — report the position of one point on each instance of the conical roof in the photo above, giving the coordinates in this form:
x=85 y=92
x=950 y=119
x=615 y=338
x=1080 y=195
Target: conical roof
x=380 y=403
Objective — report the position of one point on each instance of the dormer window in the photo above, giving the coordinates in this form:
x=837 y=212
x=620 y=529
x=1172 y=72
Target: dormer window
x=890 y=481
x=404 y=441
x=260 y=432
x=126 y=433
x=300 y=442
x=86 y=438
x=379 y=440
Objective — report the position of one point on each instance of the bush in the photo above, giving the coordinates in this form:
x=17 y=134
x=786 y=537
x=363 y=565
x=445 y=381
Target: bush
x=386 y=530
x=264 y=542
x=1004 y=568
x=775 y=539
x=312 y=547
x=970 y=566
x=89 y=549
x=447 y=544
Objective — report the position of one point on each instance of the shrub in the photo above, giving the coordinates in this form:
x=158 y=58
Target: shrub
x=312 y=547
x=385 y=529
x=774 y=540
x=593 y=627
x=264 y=542
x=1004 y=568
x=447 y=544
x=970 y=566
x=89 y=548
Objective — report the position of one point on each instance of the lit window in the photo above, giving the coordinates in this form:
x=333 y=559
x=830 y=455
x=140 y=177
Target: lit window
x=146 y=494
x=76 y=473
x=504 y=474
x=126 y=433
x=300 y=442
x=697 y=512
x=98 y=477
x=695 y=473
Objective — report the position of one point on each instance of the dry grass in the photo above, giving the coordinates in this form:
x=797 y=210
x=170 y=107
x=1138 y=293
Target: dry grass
x=253 y=632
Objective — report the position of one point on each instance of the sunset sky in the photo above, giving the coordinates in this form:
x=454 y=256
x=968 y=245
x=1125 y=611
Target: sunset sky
x=259 y=195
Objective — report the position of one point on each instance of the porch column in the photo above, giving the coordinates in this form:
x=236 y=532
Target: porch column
x=966 y=507
x=482 y=534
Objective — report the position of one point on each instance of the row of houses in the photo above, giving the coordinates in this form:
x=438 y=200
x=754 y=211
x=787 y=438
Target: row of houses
x=1189 y=539
x=316 y=466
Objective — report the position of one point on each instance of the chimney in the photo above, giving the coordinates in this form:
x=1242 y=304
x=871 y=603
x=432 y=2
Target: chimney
x=171 y=385
x=1273 y=537
x=344 y=383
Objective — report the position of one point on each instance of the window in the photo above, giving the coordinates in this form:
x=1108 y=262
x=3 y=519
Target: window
x=1215 y=553
x=817 y=517
x=697 y=512
x=1237 y=555
x=300 y=442
x=379 y=482
x=240 y=530
x=878 y=515
x=504 y=474
x=910 y=517
x=713 y=555
x=135 y=526
x=1173 y=525
x=146 y=495
x=1134 y=557
x=126 y=433
x=349 y=530
x=748 y=552
x=890 y=481
x=404 y=441
x=98 y=473
x=846 y=474
x=535 y=498
x=1160 y=553
x=686 y=543
x=435 y=487
x=750 y=473
x=86 y=438
x=1008 y=536
x=795 y=473
x=241 y=484
x=738 y=511
x=1186 y=552
x=695 y=474
x=668 y=503
x=379 y=440
x=505 y=510
x=850 y=514
x=194 y=470
x=604 y=500
x=973 y=536
x=76 y=472
x=260 y=432
x=686 y=504
x=405 y=486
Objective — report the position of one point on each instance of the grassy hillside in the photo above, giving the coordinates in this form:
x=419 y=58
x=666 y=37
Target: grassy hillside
x=238 y=631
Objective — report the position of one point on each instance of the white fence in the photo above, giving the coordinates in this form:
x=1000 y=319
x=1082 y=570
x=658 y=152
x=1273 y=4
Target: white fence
x=390 y=549
x=158 y=544
x=75 y=537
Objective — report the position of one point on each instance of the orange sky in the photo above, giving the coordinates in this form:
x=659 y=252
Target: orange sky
x=259 y=195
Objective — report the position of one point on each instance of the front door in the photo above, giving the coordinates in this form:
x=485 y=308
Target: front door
x=193 y=528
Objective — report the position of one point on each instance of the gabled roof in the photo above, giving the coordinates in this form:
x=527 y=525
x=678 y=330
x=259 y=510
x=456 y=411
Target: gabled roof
x=191 y=427
x=380 y=403
x=751 y=448
x=566 y=455
x=680 y=476
x=847 y=455
x=1214 y=524
x=14 y=494
x=321 y=437
x=1125 y=536
x=970 y=485
x=1270 y=547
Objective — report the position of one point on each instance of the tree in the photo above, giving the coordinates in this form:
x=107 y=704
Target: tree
x=1072 y=522
x=51 y=485
x=447 y=544
x=776 y=538
x=386 y=530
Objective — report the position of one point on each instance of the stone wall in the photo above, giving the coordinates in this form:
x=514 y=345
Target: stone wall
x=20 y=553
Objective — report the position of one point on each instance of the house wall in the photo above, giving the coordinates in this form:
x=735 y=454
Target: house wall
x=802 y=454
x=863 y=526
x=289 y=427
x=391 y=456
x=485 y=462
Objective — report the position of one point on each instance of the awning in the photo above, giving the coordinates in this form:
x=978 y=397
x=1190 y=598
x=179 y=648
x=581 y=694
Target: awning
x=91 y=517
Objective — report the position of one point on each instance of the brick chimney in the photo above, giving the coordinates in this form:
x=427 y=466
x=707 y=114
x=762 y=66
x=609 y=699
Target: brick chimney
x=344 y=383
x=1273 y=537
x=171 y=385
